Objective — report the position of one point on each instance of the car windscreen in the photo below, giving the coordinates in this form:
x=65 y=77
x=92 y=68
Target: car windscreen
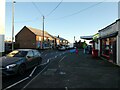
x=17 y=54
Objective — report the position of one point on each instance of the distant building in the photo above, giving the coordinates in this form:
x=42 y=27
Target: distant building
x=61 y=41
x=29 y=37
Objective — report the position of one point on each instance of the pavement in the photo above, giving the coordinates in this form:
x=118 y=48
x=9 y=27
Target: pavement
x=73 y=70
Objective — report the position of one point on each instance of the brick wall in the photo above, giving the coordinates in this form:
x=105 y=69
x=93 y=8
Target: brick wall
x=26 y=39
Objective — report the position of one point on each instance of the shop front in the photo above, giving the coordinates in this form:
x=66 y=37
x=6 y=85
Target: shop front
x=109 y=46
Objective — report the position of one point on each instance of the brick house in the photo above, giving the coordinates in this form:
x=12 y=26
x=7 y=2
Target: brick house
x=29 y=37
x=61 y=41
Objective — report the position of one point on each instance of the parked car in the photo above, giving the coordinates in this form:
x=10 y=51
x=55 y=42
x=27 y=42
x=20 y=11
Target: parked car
x=18 y=61
x=62 y=48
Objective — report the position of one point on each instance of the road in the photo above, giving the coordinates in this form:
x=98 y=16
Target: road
x=62 y=69
x=77 y=71
x=17 y=81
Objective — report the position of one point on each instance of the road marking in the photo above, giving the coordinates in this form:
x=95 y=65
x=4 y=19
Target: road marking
x=34 y=78
x=16 y=83
x=62 y=59
x=55 y=56
x=48 y=61
x=45 y=54
x=66 y=88
x=32 y=71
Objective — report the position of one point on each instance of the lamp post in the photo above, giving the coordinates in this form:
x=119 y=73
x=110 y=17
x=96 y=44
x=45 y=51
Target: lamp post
x=13 y=24
x=43 y=33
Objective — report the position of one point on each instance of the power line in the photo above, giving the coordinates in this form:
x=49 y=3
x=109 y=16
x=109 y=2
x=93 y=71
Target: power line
x=33 y=19
x=55 y=8
x=37 y=8
x=81 y=10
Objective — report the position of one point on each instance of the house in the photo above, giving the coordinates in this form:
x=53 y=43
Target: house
x=29 y=37
x=110 y=42
x=60 y=41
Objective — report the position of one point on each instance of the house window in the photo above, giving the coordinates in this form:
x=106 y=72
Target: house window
x=39 y=38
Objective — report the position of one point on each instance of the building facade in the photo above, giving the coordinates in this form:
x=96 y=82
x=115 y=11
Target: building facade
x=33 y=38
x=109 y=38
x=29 y=37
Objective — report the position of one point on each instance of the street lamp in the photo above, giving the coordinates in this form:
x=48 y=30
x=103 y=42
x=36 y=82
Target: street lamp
x=13 y=24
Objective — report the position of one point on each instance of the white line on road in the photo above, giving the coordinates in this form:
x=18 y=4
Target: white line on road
x=34 y=78
x=32 y=71
x=62 y=59
x=66 y=88
x=55 y=56
x=48 y=61
x=16 y=83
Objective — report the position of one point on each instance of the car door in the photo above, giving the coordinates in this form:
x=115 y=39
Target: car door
x=37 y=57
x=30 y=58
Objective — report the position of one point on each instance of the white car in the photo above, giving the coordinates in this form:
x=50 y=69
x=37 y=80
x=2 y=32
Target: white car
x=62 y=48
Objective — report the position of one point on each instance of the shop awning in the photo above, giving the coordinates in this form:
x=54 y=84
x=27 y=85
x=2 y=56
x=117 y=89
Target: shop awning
x=110 y=35
x=87 y=37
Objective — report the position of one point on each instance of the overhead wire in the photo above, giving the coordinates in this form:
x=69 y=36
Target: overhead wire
x=81 y=10
x=37 y=8
x=32 y=19
x=54 y=8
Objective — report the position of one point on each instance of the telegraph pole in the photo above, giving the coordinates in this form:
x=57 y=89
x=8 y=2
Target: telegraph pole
x=43 y=33
x=13 y=24
x=74 y=38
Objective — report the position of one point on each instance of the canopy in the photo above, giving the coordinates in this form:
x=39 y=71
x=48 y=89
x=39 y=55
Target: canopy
x=87 y=37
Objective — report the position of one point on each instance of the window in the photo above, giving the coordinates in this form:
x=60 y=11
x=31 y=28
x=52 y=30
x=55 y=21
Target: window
x=30 y=53
x=36 y=53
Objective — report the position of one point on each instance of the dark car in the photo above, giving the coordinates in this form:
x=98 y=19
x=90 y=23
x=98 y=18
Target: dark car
x=18 y=61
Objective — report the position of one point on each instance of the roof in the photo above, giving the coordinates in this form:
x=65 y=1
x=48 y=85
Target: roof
x=39 y=32
x=60 y=38
x=87 y=37
x=24 y=49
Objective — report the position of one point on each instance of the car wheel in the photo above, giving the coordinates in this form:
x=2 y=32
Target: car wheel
x=21 y=69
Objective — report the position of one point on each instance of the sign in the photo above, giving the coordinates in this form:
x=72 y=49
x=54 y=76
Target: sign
x=1 y=43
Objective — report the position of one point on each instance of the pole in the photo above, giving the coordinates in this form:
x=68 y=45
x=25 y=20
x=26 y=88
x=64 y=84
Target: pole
x=13 y=24
x=74 y=38
x=43 y=33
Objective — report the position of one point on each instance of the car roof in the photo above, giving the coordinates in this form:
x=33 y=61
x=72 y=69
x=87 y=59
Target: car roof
x=25 y=49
